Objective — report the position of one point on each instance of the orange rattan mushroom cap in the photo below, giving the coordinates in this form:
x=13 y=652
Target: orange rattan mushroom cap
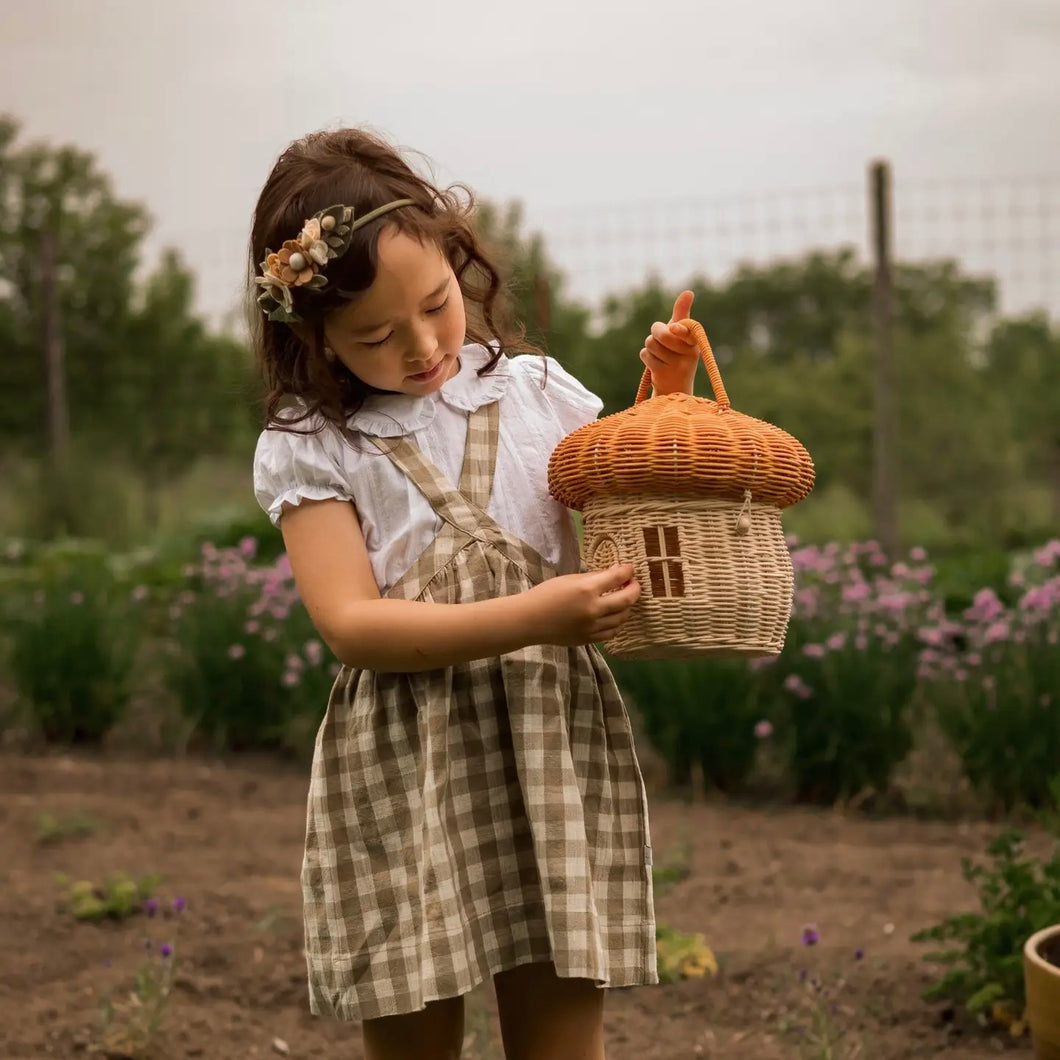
x=681 y=444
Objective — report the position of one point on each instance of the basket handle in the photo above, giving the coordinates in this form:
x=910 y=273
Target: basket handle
x=701 y=340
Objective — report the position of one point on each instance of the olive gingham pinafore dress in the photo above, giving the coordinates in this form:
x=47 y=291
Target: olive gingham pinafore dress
x=465 y=820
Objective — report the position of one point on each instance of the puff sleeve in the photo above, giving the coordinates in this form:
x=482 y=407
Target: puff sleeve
x=568 y=401
x=290 y=468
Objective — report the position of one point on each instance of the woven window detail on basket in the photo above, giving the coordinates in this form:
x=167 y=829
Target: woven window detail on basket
x=662 y=546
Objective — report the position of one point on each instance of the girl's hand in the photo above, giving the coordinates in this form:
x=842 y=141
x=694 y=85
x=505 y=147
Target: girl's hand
x=670 y=352
x=578 y=609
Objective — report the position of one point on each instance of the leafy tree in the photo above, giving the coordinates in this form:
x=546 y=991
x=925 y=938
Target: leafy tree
x=148 y=388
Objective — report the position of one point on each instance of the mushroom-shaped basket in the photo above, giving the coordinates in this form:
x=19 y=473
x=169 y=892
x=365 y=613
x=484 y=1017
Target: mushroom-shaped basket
x=690 y=492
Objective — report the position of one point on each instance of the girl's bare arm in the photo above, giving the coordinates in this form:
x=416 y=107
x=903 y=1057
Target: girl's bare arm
x=334 y=577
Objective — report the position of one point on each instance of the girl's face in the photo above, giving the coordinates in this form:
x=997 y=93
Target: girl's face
x=405 y=332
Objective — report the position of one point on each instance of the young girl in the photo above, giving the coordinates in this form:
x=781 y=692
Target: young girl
x=475 y=807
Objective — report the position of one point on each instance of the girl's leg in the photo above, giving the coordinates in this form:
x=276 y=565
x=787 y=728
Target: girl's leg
x=546 y=1017
x=435 y=1033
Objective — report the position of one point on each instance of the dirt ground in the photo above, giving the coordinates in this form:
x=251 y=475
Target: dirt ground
x=227 y=838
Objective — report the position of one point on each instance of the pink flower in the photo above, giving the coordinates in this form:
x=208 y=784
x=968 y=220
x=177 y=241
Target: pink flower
x=931 y=636
x=236 y=651
x=836 y=642
x=139 y=593
x=248 y=547
x=797 y=687
x=997 y=631
x=251 y=627
x=1048 y=554
x=290 y=679
x=985 y=606
x=314 y=652
x=764 y=729
x=917 y=554
x=814 y=651
x=856 y=592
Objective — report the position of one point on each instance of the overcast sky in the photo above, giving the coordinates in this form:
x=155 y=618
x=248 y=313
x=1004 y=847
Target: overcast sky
x=562 y=104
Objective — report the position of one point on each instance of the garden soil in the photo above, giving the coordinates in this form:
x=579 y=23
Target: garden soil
x=227 y=839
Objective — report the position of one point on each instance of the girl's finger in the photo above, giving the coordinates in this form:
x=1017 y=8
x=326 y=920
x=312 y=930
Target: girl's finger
x=663 y=335
x=621 y=600
x=666 y=354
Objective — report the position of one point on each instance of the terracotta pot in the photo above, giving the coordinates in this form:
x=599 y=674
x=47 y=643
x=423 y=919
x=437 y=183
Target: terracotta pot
x=1041 y=974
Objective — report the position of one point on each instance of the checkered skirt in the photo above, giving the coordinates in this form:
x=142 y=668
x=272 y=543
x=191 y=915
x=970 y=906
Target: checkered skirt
x=466 y=820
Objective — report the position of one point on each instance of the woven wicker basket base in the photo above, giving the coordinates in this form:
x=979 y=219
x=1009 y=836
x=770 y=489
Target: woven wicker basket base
x=716 y=576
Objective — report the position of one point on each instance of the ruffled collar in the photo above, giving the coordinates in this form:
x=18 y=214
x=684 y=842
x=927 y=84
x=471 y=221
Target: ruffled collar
x=392 y=415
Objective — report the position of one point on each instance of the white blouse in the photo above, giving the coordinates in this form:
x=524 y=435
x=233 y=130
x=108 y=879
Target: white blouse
x=540 y=403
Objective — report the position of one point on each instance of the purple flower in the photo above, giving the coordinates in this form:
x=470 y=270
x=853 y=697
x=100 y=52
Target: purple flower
x=150 y=906
x=810 y=935
x=179 y=905
x=859 y=954
x=166 y=950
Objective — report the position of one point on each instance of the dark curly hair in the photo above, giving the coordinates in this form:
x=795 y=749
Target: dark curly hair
x=355 y=168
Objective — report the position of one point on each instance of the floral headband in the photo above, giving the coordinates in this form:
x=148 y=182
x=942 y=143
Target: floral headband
x=298 y=263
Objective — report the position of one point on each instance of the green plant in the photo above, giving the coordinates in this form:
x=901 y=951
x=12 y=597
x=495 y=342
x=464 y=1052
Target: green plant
x=672 y=869
x=129 y=1027
x=1018 y=895
x=993 y=677
x=53 y=829
x=848 y=673
x=117 y=897
x=848 y=724
x=245 y=664
x=820 y=1020
x=682 y=956
x=73 y=646
x=703 y=711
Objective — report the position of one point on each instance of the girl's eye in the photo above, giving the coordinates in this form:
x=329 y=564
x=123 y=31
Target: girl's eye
x=379 y=343
x=439 y=308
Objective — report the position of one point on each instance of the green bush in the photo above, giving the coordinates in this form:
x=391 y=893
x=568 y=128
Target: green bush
x=845 y=682
x=244 y=662
x=847 y=725
x=73 y=641
x=702 y=711
x=994 y=678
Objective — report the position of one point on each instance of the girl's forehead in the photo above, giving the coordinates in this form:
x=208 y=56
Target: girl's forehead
x=407 y=273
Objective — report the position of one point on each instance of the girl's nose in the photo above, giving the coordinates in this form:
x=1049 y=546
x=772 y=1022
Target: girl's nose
x=424 y=346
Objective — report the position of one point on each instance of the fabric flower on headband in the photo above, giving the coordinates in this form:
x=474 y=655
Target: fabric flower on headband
x=298 y=263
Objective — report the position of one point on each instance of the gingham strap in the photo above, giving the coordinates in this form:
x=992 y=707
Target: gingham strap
x=463 y=508
x=480 y=455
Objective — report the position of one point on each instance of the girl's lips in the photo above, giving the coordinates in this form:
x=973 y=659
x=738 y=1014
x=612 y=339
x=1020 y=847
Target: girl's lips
x=430 y=374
